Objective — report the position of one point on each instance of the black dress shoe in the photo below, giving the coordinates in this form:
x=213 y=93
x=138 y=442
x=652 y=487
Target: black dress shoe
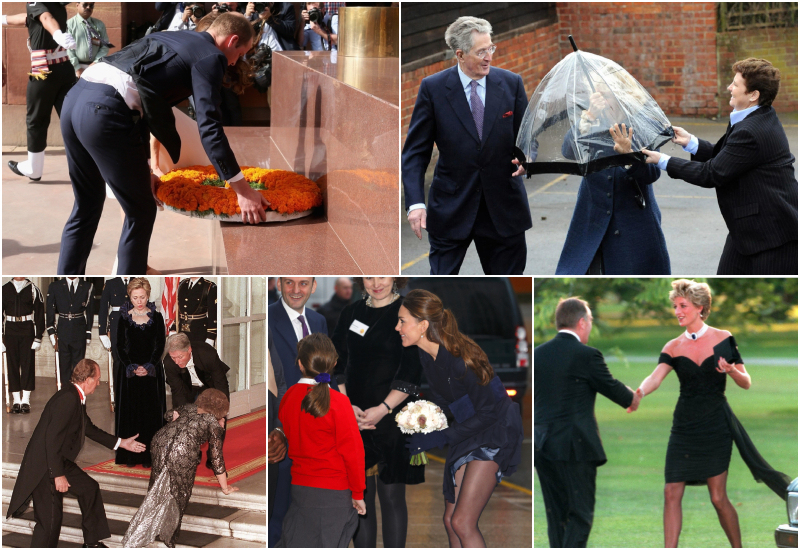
x=13 y=165
x=25 y=408
x=16 y=409
x=147 y=464
x=97 y=545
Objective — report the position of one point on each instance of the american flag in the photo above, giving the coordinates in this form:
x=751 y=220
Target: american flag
x=168 y=299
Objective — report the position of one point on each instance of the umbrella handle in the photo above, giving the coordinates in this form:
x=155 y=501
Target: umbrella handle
x=572 y=41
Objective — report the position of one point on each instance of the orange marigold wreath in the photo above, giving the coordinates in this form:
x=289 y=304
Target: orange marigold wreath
x=197 y=189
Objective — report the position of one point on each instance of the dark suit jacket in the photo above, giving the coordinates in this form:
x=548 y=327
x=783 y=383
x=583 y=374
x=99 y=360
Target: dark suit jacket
x=57 y=438
x=567 y=376
x=209 y=368
x=285 y=340
x=467 y=165
x=751 y=170
x=61 y=300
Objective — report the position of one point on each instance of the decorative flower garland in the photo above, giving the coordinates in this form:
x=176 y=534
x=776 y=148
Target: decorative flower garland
x=198 y=189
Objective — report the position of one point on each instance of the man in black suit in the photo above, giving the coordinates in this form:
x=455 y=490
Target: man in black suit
x=68 y=318
x=332 y=309
x=115 y=294
x=751 y=168
x=48 y=468
x=568 y=374
x=190 y=368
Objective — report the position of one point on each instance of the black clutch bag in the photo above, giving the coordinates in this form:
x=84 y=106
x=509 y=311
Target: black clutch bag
x=725 y=350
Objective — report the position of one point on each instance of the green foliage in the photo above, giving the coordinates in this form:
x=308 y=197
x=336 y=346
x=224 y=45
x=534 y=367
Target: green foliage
x=737 y=303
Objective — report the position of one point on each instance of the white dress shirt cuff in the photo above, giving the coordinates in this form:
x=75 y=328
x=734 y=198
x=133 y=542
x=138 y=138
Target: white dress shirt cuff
x=415 y=207
x=236 y=178
x=119 y=440
x=692 y=146
x=662 y=162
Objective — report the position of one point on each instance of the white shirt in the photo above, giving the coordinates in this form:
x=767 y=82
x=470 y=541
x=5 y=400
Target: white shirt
x=19 y=285
x=73 y=284
x=570 y=332
x=309 y=381
x=293 y=317
x=269 y=38
x=83 y=402
x=105 y=73
x=193 y=374
x=177 y=23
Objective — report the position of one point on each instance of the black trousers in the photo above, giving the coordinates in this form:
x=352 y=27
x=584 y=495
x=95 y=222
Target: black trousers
x=69 y=353
x=105 y=144
x=568 y=489
x=48 y=507
x=21 y=362
x=40 y=97
x=499 y=255
x=781 y=260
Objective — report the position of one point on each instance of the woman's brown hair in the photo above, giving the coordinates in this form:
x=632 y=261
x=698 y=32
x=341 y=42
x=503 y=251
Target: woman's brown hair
x=443 y=330
x=401 y=282
x=318 y=356
x=240 y=75
x=214 y=402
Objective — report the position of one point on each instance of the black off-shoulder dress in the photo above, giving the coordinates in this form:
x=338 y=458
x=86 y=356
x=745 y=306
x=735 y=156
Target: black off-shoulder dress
x=704 y=427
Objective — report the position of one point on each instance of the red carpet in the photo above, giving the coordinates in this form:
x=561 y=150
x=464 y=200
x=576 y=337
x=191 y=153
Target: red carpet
x=244 y=452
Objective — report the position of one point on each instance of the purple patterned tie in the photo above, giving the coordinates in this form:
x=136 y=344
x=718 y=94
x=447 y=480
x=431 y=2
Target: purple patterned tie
x=303 y=324
x=477 y=108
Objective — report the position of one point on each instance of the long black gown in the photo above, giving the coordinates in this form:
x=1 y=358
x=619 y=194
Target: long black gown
x=704 y=427
x=176 y=455
x=373 y=365
x=142 y=400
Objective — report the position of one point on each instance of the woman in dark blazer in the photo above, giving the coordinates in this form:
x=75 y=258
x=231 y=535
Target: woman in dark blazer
x=752 y=169
x=616 y=224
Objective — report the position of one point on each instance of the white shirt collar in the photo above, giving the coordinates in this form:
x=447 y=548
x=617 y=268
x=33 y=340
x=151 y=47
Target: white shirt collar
x=737 y=116
x=309 y=381
x=19 y=285
x=465 y=80
x=570 y=332
x=293 y=315
x=83 y=395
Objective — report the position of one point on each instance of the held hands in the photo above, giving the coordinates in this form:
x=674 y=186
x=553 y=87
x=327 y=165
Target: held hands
x=360 y=415
x=140 y=371
x=62 y=485
x=418 y=219
x=637 y=398
x=360 y=505
x=372 y=416
x=276 y=449
x=622 y=139
x=132 y=445
x=682 y=137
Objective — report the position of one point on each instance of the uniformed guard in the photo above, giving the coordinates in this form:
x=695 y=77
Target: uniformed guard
x=50 y=79
x=115 y=294
x=23 y=327
x=69 y=321
x=197 y=310
x=117 y=103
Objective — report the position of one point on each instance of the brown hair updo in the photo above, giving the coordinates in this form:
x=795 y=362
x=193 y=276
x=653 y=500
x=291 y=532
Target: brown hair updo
x=443 y=330
x=699 y=294
x=318 y=355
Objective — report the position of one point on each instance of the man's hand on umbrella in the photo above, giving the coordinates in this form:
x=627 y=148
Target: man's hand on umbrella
x=597 y=104
x=652 y=156
x=520 y=171
x=682 y=137
x=622 y=138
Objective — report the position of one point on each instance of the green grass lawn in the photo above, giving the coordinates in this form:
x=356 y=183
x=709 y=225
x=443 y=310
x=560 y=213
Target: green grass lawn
x=629 y=503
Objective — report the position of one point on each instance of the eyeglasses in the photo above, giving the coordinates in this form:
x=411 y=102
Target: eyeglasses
x=486 y=51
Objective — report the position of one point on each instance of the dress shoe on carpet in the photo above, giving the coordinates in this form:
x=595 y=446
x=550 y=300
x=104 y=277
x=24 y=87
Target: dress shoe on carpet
x=13 y=165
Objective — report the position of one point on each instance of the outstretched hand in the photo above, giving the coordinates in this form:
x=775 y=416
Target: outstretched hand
x=622 y=138
x=637 y=398
x=132 y=445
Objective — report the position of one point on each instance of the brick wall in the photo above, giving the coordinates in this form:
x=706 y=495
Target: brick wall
x=778 y=46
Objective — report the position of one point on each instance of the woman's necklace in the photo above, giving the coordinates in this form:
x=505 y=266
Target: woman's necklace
x=395 y=296
x=696 y=335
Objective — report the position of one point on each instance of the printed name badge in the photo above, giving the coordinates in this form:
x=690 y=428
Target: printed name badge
x=358 y=327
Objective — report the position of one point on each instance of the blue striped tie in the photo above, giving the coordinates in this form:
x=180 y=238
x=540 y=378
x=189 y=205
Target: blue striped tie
x=477 y=108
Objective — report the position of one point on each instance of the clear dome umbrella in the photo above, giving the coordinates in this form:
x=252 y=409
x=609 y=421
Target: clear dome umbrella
x=560 y=132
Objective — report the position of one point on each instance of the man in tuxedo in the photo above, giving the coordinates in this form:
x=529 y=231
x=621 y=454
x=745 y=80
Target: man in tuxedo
x=472 y=112
x=568 y=374
x=48 y=468
x=752 y=170
x=289 y=322
x=68 y=318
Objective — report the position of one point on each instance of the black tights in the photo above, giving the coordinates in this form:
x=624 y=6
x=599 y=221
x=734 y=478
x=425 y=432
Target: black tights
x=475 y=482
x=394 y=516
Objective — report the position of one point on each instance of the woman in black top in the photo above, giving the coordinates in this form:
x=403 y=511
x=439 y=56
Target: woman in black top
x=379 y=375
x=485 y=427
x=703 y=425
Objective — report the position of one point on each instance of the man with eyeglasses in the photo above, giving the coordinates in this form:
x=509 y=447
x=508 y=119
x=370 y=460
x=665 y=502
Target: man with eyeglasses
x=472 y=112
x=91 y=38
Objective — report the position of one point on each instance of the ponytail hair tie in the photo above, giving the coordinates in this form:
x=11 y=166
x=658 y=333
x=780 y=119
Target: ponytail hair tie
x=323 y=378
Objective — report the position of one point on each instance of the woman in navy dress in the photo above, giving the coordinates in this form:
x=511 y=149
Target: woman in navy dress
x=485 y=427
x=704 y=426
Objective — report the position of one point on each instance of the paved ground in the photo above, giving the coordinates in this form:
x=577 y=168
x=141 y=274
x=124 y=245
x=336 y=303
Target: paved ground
x=693 y=226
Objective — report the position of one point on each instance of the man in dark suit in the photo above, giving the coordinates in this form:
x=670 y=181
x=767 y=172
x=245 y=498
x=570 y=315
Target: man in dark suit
x=48 y=468
x=473 y=115
x=289 y=322
x=568 y=374
x=332 y=309
x=69 y=317
x=115 y=294
x=751 y=169
x=123 y=99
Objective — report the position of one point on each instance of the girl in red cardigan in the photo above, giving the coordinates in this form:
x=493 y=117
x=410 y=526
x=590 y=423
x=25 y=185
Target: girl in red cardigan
x=326 y=451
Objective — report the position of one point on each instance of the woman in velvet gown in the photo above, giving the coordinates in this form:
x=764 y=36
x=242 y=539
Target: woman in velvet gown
x=379 y=377
x=704 y=426
x=142 y=394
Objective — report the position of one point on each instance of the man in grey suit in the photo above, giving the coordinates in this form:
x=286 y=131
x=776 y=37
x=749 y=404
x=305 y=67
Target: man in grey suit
x=568 y=374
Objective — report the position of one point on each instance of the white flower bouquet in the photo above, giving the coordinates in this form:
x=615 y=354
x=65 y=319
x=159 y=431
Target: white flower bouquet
x=421 y=417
